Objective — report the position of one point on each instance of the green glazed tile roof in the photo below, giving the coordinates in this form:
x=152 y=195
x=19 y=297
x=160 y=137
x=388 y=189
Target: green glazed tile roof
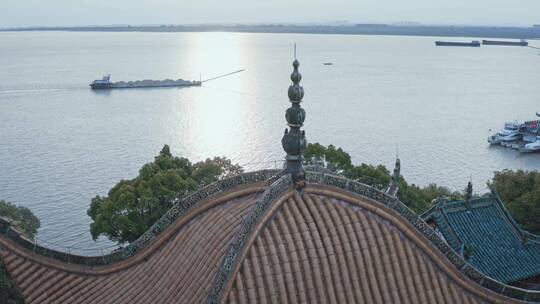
x=496 y=242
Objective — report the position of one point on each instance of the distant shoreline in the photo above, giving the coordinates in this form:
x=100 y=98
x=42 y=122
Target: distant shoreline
x=532 y=32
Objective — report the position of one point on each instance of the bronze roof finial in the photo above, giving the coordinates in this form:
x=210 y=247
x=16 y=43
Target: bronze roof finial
x=294 y=140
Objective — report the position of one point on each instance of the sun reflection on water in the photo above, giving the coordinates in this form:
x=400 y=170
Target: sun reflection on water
x=212 y=120
x=212 y=54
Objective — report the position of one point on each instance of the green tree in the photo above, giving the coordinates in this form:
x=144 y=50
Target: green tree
x=21 y=218
x=376 y=176
x=520 y=192
x=211 y=170
x=335 y=159
x=132 y=206
x=419 y=198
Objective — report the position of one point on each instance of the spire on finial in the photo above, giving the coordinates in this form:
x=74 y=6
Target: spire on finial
x=393 y=187
x=294 y=140
x=468 y=192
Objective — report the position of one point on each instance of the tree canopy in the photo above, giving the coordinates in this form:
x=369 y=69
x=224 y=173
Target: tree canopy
x=336 y=159
x=21 y=218
x=520 y=192
x=132 y=206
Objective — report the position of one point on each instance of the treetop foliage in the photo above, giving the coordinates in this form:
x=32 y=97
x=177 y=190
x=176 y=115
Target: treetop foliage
x=132 y=206
x=22 y=218
x=335 y=159
x=520 y=192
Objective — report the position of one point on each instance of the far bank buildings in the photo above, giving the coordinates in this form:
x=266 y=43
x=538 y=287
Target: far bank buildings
x=297 y=235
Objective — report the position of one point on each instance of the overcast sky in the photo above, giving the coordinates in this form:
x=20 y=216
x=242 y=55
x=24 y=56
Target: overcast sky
x=15 y=13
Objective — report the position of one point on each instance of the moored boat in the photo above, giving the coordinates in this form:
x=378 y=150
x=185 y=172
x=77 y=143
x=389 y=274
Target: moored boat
x=508 y=134
x=524 y=137
x=531 y=147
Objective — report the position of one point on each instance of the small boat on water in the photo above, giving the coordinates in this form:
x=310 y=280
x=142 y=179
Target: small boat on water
x=474 y=43
x=508 y=134
x=531 y=147
x=524 y=137
x=103 y=83
x=327 y=63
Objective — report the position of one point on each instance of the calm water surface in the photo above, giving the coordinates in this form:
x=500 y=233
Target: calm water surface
x=62 y=144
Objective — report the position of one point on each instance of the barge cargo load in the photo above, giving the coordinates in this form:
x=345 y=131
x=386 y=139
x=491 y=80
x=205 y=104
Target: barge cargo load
x=105 y=83
x=473 y=43
x=522 y=42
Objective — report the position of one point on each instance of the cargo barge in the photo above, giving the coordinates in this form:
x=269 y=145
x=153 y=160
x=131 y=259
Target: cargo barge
x=105 y=83
x=522 y=42
x=473 y=43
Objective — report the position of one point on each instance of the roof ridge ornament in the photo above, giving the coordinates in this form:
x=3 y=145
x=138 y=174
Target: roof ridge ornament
x=468 y=193
x=393 y=186
x=294 y=140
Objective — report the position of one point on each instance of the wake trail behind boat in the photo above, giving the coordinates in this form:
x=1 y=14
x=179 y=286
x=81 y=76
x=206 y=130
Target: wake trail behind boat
x=23 y=91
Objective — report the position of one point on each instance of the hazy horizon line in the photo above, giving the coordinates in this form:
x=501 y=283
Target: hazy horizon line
x=343 y=23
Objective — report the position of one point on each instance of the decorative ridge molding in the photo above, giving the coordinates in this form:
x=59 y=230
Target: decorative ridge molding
x=423 y=228
x=180 y=206
x=508 y=218
x=446 y=222
x=230 y=260
x=527 y=234
x=473 y=203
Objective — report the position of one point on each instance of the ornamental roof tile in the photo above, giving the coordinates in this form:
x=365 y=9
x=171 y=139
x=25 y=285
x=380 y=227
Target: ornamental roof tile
x=486 y=234
x=338 y=241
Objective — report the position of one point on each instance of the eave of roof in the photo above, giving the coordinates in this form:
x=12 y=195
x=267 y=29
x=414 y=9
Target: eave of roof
x=85 y=279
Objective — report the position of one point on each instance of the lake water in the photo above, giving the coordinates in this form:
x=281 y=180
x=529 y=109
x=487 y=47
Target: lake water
x=62 y=144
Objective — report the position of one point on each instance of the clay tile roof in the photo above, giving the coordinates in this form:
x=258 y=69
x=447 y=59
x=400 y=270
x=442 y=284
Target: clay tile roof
x=177 y=267
x=245 y=240
x=494 y=243
x=318 y=249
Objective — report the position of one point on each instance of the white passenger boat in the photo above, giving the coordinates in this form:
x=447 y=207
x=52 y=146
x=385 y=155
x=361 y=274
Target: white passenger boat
x=508 y=134
x=531 y=147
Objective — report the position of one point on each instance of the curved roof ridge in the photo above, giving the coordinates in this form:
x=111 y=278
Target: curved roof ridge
x=459 y=242
x=507 y=216
x=175 y=268
x=423 y=228
x=230 y=261
x=530 y=236
x=16 y=250
x=451 y=206
x=180 y=206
